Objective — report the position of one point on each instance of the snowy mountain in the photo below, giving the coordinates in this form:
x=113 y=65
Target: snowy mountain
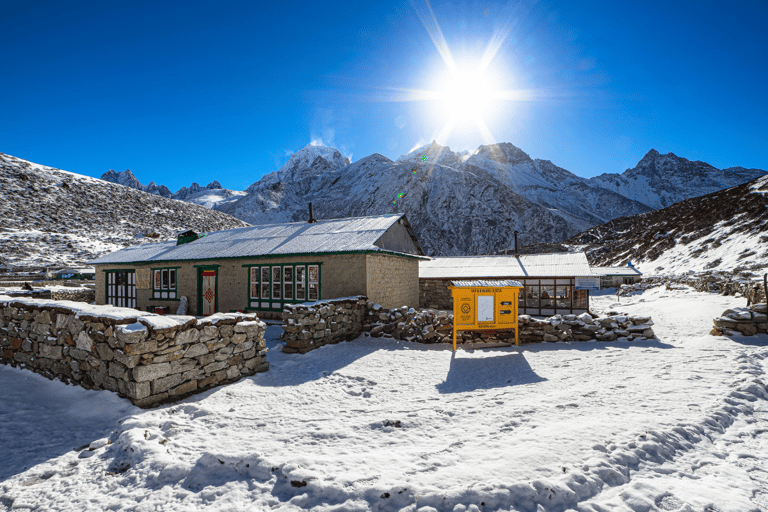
x=725 y=230
x=51 y=217
x=458 y=203
x=127 y=179
x=661 y=180
x=209 y=196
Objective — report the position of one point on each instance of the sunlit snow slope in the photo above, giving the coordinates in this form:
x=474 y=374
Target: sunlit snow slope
x=52 y=217
x=721 y=231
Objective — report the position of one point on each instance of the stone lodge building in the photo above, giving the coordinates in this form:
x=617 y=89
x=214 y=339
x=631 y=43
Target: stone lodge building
x=262 y=268
x=612 y=277
x=550 y=280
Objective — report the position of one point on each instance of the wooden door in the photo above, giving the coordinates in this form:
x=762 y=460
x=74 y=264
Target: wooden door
x=208 y=292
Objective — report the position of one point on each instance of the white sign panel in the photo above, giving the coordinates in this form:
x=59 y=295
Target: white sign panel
x=485 y=308
x=587 y=283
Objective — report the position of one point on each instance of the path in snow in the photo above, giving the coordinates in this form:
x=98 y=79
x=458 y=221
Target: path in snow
x=377 y=423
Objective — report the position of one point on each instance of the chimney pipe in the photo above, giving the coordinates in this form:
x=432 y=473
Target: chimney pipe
x=517 y=254
x=311 y=217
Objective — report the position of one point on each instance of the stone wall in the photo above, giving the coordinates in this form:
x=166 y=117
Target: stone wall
x=149 y=359
x=77 y=295
x=429 y=326
x=748 y=321
x=309 y=326
x=393 y=281
x=434 y=294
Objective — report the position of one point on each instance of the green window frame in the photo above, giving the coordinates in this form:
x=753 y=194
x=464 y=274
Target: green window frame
x=271 y=286
x=120 y=288
x=165 y=282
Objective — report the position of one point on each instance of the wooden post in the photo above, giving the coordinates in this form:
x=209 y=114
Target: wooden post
x=765 y=290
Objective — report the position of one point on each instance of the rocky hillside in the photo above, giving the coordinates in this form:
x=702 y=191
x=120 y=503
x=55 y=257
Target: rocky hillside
x=51 y=217
x=659 y=180
x=725 y=230
x=210 y=196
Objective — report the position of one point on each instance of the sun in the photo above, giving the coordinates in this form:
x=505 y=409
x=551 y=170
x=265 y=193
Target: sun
x=465 y=97
x=467 y=92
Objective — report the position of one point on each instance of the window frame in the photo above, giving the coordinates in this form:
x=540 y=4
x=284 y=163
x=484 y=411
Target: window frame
x=272 y=303
x=169 y=290
x=129 y=297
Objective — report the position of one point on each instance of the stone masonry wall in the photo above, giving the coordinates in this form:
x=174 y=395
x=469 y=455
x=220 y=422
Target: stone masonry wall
x=434 y=294
x=309 y=326
x=428 y=326
x=392 y=281
x=149 y=359
x=748 y=321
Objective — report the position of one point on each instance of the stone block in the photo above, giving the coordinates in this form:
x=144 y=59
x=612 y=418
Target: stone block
x=747 y=329
x=233 y=372
x=77 y=353
x=137 y=390
x=151 y=372
x=183 y=365
x=104 y=351
x=188 y=336
x=238 y=338
x=183 y=389
x=130 y=337
x=226 y=331
x=165 y=383
x=205 y=359
x=128 y=361
x=117 y=370
x=15 y=343
x=173 y=356
x=215 y=366
x=209 y=332
x=142 y=347
x=194 y=374
x=242 y=347
x=61 y=321
x=551 y=338
x=206 y=382
x=224 y=353
x=84 y=342
x=198 y=349
x=50 y=351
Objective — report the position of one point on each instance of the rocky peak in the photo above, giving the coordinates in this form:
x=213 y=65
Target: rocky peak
x=504 y=153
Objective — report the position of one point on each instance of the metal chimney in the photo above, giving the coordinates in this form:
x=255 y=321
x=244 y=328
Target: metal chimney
x=517 y=254
x=311 y=217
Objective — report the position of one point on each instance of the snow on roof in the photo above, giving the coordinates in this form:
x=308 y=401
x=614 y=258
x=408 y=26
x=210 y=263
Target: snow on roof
x=616 y=271
x=486 y=283
x=350 y=234
x=568 y=264
x=89 y=270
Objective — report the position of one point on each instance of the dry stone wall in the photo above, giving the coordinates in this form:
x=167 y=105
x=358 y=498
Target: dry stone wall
x=434 y=294
x=309 y=326
x=147 y=358
x=747 y=321
x=430 y=326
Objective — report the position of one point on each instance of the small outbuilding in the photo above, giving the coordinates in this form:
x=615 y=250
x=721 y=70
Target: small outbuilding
x=263 y=268
x=76 y=273
x=555 y=283
x=613 y=277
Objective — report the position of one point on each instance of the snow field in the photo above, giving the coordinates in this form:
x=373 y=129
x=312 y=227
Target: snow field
x=674 y=424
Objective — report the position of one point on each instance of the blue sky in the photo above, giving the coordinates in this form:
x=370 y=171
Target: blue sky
x=196 y=91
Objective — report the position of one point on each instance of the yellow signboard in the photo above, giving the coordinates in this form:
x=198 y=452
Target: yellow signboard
x=480 y=307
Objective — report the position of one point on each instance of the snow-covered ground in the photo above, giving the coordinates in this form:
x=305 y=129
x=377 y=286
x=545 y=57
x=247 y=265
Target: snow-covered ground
x=675 y=424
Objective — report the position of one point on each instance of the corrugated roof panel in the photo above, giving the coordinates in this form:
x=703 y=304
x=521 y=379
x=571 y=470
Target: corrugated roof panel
x=493 y=283
x=354 y=234
x=616 y=271
x=534 y=265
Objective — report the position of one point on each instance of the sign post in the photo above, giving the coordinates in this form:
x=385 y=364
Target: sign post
x=484 y=305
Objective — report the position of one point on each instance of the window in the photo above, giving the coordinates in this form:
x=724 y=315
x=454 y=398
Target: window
x=580 y=300
x=314 y=282
x=563 y=296
x=121 y=288
x=264 y=283
x=301 y=277
x=288 y=282
x=273 y=286
x=164 y=283
x=532 y=295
